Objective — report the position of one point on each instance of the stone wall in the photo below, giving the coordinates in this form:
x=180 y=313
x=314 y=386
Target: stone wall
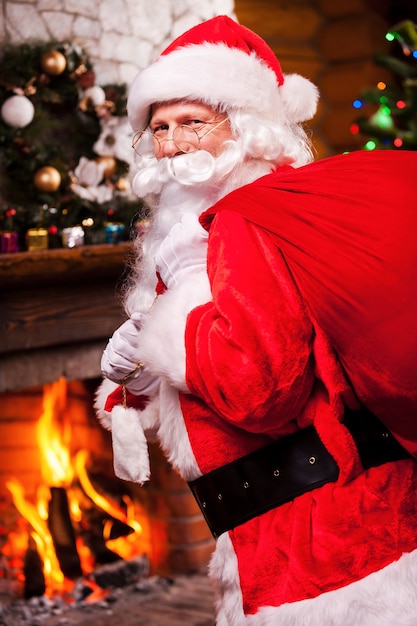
x=120 y=36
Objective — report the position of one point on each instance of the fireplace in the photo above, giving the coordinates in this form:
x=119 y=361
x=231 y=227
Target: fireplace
x=58 y=309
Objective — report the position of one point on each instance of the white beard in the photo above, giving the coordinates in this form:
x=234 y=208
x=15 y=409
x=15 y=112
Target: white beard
x=187 y=183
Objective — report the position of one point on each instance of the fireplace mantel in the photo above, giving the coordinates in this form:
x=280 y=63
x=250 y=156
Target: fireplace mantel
x=58 y=309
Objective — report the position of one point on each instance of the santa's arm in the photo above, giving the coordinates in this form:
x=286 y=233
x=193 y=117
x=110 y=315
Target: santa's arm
x=244 y=344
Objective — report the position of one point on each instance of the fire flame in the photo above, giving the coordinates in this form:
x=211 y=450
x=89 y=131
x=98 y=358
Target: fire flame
x=55 y=457
x=58 y=469
x=54 y=579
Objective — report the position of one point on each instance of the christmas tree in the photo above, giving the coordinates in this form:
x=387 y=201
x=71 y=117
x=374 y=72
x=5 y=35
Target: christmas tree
x=389 y=112
x=65 y=150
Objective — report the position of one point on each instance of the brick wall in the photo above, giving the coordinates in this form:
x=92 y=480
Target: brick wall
x=175 y=517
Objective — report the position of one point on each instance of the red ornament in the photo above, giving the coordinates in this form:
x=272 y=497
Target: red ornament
x=87 y=79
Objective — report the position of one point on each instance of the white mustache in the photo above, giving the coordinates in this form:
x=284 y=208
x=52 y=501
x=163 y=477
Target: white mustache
x=186 y=169
x=197 y=167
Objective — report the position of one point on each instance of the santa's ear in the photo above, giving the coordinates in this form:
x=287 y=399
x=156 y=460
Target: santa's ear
x=299 y=98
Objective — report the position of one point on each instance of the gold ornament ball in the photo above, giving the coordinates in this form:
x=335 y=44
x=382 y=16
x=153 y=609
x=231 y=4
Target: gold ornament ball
x=53 y=62
x=47 y=179
x=109 y=165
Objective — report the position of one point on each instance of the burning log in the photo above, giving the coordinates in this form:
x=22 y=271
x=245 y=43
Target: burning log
x=91 y=531
x=102 y=554
x=63 y=535
x=121 y=573
x=33 y=571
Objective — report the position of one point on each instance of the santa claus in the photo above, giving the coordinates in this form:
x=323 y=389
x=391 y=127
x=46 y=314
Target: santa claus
x=272 y=300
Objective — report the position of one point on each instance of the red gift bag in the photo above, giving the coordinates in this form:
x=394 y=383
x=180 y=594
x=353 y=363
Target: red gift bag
x=347 y=227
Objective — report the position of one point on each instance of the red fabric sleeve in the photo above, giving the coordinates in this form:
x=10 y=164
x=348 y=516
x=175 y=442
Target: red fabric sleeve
x=347 y=227
x=248 y=352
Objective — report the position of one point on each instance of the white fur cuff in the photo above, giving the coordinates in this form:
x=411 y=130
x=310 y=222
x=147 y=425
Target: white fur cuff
x=163 y=334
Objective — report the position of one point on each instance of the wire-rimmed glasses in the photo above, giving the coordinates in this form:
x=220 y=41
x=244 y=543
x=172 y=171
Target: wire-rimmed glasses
x=186 y=139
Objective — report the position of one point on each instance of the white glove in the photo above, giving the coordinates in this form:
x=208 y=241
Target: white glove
x=183 y=251
x=121 y=359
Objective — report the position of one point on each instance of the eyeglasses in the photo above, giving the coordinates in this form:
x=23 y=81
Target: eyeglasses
x=186 y=139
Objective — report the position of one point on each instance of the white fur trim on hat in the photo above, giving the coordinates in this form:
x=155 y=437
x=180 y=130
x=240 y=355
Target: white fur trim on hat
x=219 y=75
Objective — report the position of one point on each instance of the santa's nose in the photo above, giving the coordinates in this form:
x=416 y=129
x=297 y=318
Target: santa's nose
x=168 y=148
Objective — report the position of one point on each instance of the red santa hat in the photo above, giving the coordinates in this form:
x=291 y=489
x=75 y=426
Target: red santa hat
x=220 y=62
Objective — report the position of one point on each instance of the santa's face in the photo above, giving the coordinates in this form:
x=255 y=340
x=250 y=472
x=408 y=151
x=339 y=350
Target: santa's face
x=191 y=155
x=176 y=182
x=185 y=145
x=182 y=127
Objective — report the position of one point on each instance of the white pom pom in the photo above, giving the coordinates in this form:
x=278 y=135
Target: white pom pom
x=130 y=448
x=299 y=98
x=96 y=95
x=17 y=111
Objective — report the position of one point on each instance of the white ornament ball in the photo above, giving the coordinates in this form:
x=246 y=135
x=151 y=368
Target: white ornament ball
x=96 y=95
x=17 y=111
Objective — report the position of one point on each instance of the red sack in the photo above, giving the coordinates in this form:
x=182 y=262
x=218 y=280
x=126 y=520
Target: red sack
x=347 y=227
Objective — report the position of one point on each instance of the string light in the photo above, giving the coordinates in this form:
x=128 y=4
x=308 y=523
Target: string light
x=382 y=118
x=406 y=34
x=388 y=109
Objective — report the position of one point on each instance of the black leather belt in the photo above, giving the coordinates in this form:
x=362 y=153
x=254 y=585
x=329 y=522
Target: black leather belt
x=285 y=469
